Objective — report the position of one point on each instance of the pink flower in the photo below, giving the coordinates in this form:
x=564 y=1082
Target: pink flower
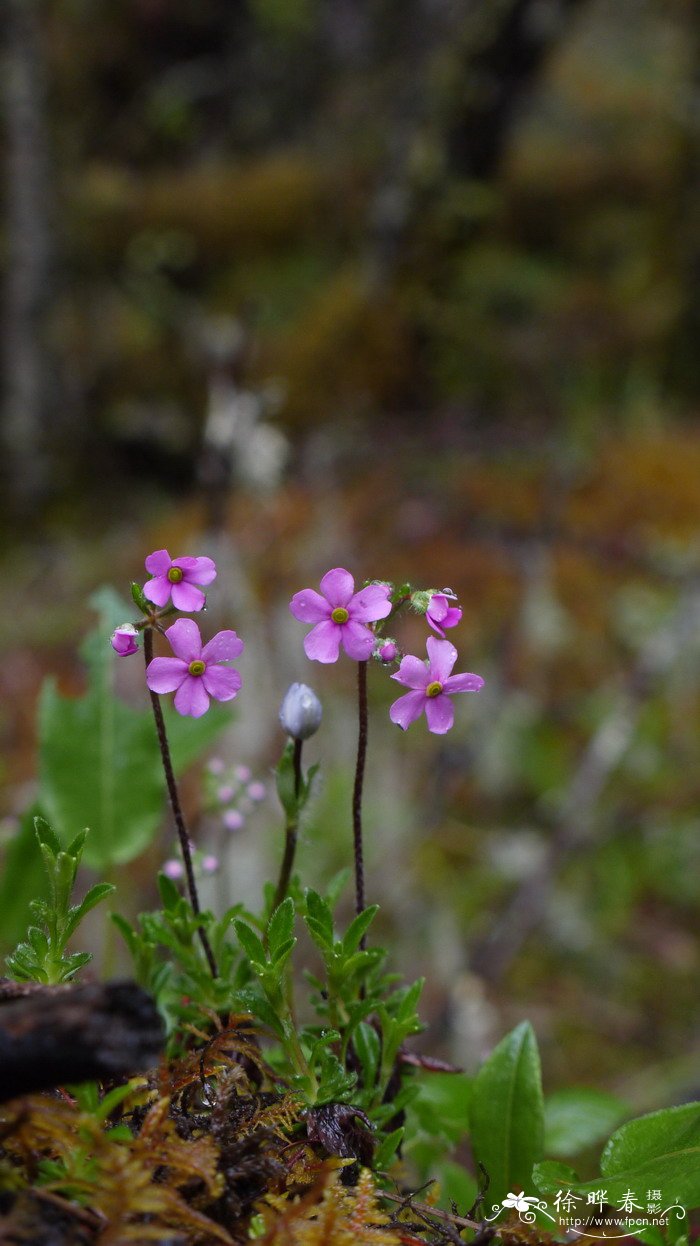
x=173 y=869
x=257 y=792
x=233 y=820
x=195 y=674
x=432 y=685
x=178 y=578
x=340 y=615
x=210 y=863
x=441 y=614
x=123 y=640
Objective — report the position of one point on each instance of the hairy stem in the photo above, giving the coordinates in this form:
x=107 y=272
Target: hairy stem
x=175 y=805
x=290 y=834
x=357 y=791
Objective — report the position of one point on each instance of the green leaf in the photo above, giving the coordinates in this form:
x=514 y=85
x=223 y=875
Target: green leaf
x=507 y=1114
x=441 y=1106
x=368 y=1049
x=281 y=927
x=169 y=895
x=660 y=1151
x=90 y=899
x=387 y=1149
x=47 y=838
x=576 y=1118
x=319 y=919
x=358 y=928
x=251 y=944
x=285 y=780
x=21 y=880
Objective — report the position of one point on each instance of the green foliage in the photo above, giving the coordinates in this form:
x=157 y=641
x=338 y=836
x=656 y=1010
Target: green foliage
x=20 y=881
x=576 y=1118
x=507 y=1113
x=98 y=758
x=42 y=957
x=660 y=1150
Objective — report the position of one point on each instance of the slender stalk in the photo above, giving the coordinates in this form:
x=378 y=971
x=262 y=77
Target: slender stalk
x=175 y=805
x=290 y=834
x=357 y=791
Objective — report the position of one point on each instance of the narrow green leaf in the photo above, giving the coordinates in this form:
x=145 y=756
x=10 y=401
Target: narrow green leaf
x=90 y=899
x=169 y=895
x=319 y=913
x=368 y=1049
x=507 y=1113
x=387 y=1149
x=358 y=928
x=46 y=836
x=281 y=926
x=251 y=944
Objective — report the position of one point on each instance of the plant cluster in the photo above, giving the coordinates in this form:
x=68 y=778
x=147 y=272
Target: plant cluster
x=288 y=1117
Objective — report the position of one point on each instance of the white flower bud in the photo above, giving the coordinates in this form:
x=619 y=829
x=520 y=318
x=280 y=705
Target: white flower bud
x=300 y=712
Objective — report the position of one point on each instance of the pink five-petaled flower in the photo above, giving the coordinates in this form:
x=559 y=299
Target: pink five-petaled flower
x=178 y=577
x=340 y=615
x=195 y=673
x=432 y=685
x=441 y=614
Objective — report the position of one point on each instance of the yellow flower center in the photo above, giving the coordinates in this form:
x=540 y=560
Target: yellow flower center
x=175 y=575
x=340 y=615
x=434 y=689
x=197 y=667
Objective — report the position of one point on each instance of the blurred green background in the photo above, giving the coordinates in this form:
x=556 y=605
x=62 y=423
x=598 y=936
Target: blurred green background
x=412 y=288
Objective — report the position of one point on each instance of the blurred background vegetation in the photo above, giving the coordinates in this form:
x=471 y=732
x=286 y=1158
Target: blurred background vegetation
x=410 y=287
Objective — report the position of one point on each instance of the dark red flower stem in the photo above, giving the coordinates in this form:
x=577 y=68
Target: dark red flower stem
x=175 y=805
x=290 y=834
x=357 y=791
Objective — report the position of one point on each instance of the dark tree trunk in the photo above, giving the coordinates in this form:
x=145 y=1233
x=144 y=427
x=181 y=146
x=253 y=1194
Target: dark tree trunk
x=27 y=398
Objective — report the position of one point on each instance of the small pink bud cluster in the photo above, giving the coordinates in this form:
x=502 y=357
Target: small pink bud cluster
x=232 y=793
x=354 y=620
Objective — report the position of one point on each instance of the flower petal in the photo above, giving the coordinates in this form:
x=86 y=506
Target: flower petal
x=437 y=608
x=221 y=682
x=440 y=713
x=323 y=642
x=187 y=597
x=165 y=674
x=338 y=586
x=358 y=641
x=443 y=656
x=412 y=673
x=453 y=616
x=407 y=709
x=223 y=647
x=191 y=697
x=185 y=640
x=157 y=590
x=308 y=606
x=463 y=683
x=203 y=572
x=370 y=603
x=159 y=563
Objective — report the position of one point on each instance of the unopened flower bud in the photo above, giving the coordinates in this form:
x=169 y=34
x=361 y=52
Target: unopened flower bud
x=123 y=641
x=300 y=712
x=388 y=652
